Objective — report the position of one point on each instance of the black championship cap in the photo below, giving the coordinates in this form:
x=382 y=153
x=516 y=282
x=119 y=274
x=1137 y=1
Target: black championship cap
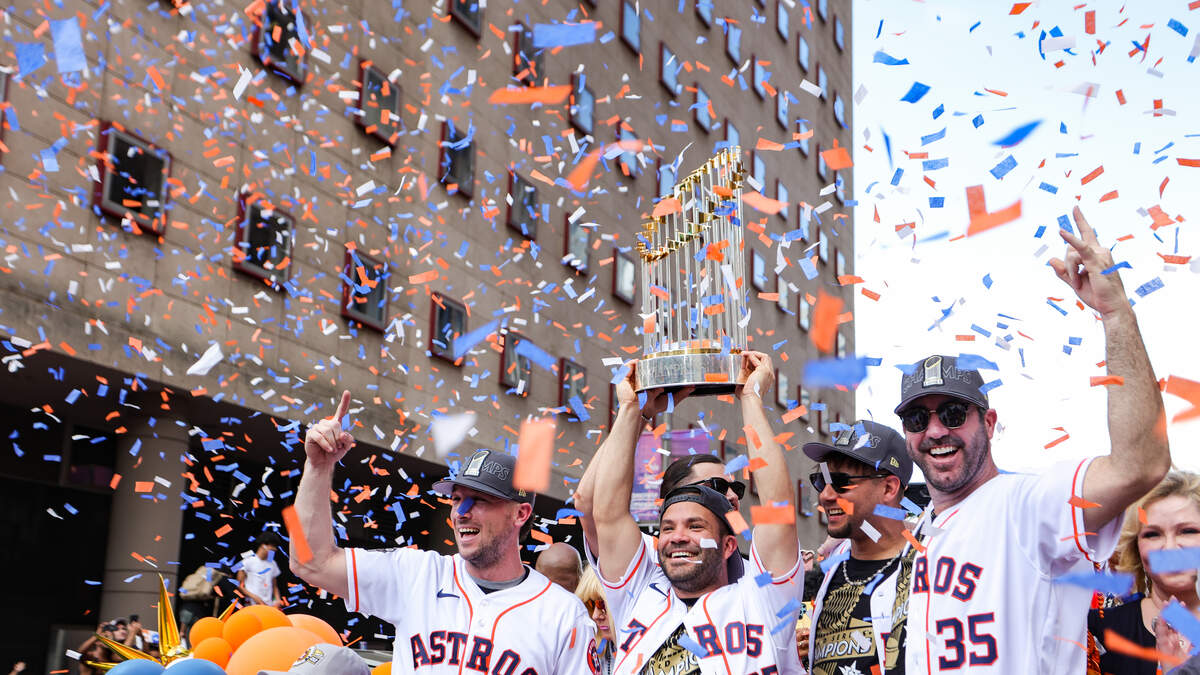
x=717 y=503
x=871 y=443
x=941 y=375
x=487 y=471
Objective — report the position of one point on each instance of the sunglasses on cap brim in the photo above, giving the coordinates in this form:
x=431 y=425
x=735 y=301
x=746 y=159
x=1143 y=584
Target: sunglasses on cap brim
x=722 y=485
x=841 y=482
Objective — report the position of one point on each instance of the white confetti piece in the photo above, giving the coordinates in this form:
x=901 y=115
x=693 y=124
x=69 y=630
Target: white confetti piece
x=211 y=357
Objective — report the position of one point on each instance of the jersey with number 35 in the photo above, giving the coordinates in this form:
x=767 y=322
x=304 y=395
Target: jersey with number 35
x=984 y=596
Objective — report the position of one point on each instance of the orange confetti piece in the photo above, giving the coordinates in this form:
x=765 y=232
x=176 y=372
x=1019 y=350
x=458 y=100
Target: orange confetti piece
x=423 y=277
x=535 y=446
x=737 y=522
x=1058 y=440
x=794 y=413
x=1019 y=7
x=1187 y=162
x=765 y=144
x=981 y=220
x=300 y=547
x=837 y=158
x=1092 y=176
x=773 y=515
x=757 y=463
x=1115 y=643
x=143 y=486
x=846 y=505
x=763 y=204
x=518 y=95
x=579 y=176
x=1081 y=503
x=223 y=530
x=666 y=206
x=752 y=436
x=912 y=540
x=849 y=280
x=825 y=321
x=1107 y=380
x=716 y=377
x=1188 y=390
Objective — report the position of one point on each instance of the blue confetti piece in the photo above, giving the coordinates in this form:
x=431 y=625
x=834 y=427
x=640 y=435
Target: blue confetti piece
x=1149 y=287
x=466 y=342
x=30 y=57
x=563 y=35
x=1112 y=584
x=465 y=505
x=737 y=464
x=937 y=112
x=988 y=386
x=935 y=136
x=896 y=176
x=987 y=280
x=1116 y=267
x=1170 y=560
x=567 y=513
x=1048 y=188
x=68 y=45
x=1039 y=232
x=831 y=372
x=763 y=579
x=1064 y=223
x=910 y=506
x=809 y=269
x=687 y=642
x=977 y=121
x=1001 y=170
x=577 y=408
x=1075 y=341
x=935 y=164
x=915 y=93
x=937 y=202
x=890 y=512
x=1017 y=135
x=536 y=354
x=1182 y=620
x=887 y=60
x=792 y=605
x=1177 y=27
x=975 y=361
x=834 y=561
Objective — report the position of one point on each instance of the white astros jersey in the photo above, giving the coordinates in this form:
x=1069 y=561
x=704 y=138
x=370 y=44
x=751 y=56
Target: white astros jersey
x=732 y=625
x=984 y=597
x=446 y=625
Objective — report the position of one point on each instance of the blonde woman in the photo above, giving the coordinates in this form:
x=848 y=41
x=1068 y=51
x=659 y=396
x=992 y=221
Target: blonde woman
x=1168 y=517
x=592 y=595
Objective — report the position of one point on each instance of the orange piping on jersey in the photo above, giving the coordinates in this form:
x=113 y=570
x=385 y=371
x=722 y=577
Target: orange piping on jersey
x=712 y=623
x=523 y=602
x=758 y=563
x=630 y=577
x=633 y=646
x=470 y=616
x=929 y=600
x=354 y=568
x=1074 y=523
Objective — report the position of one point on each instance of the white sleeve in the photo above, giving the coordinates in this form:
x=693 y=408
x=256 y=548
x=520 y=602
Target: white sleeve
x=1053 y=533
x=622 y=594
x=384 y=583
x=781 y=595
x=595 y=562
x=575 y=657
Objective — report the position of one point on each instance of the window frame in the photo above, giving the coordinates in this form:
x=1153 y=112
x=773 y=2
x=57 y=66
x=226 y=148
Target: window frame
x=804 y=398
x=839 y=263
x=730 y=125
x=274 y=278
x=620 y=257
x=733 y=43
x=822 y=167
x=633 y=41
x=758 y=270
x=439 y=301
x=707 y=127
x=783 y=20
x=783 y=291
x=663 y=63
x=758 y=165
x=526 y=230
x=758 y=77
x=460 y=11
x=365 y=70
x=627 y=161
x=782 y=194
x=805 y=143
x=839 y=110
x=823 y=82
x=839 y=33
x=823 y=9
x=782 y=108
x=783 y=385
x=522 y=46
x=296 y=75
x=350 y=310
x=513 y=387
x=660 y=169
x=107 y=139
x=705 y=15
x=578 y=87
x=564 y=380
x=579 y=267
x=445 y=167
x=803 y=313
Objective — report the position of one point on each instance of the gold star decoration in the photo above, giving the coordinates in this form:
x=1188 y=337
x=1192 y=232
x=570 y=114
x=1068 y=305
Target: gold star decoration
x=170 y=646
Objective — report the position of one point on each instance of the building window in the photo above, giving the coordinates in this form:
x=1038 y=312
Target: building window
x=733 y=137
x=822 y=246
x=264 y=240
x=516 y=369
x=379 y=101
x=666 y=179
x=839 y=110
x=733 y=43
x=133 y=179
x=758 y=171
x=624 y=276
x=840 y=191
x=628 y=159
x=804 y=313
x=578 y=246
x=839 y=33
x=704 y=116
x=782 y=389
x=704 y=10
x=668 y=69
x=759 y=76
x=758 y=270
x=841 y=345
x=469 y=13
x=822 y=81
x=784 y=300
x=802 y=130
x=522 y=206
x=781 y=108
x=802 y=52
x=631 y=26
x=364 y=290
x=583 y=105
x=278 y=41
x=806 y=401
x=839 y=264
x=572 y=384
x=447 y=323
x=782 y=19
x=822 y=167
x=529 y=63
x=458 y=160
x=781 y=193
x=823 y=8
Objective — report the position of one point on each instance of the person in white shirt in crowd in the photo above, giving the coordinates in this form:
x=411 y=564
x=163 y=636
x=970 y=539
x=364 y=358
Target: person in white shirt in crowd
x=258 y=577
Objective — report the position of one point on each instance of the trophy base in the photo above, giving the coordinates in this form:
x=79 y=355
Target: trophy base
x=711 y=373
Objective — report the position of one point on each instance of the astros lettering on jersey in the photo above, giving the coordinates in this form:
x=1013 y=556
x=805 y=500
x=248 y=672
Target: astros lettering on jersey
x=984 y=596
x=445 y=624
x=743 y=628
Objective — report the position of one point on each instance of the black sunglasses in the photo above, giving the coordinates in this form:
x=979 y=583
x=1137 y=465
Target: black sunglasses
x=721 y=485
x=593 y=604
x=953 y=414
x=840 y=481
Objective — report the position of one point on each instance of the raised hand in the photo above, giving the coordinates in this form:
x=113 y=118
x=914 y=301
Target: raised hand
x=326 y=442
x=656 y=399
x=1102 y=292
x=759 y=375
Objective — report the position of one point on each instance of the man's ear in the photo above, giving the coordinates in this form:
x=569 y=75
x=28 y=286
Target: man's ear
x=526 y=510
x=729 y=546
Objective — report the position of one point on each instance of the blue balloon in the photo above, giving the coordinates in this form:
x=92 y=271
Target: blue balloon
x=195 y=667
x=137 y=667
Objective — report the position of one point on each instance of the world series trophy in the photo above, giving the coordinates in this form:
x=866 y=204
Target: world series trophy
x=693 y=272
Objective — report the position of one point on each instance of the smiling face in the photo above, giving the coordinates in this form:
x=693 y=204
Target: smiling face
x=954 y=461
x=486 y=528
x=862 y=495
x=692 y=567
x=1171 y=522
x=705 y=470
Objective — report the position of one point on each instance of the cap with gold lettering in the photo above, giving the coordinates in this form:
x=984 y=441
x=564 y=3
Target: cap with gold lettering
x=941 y=375
x=871 y=443
x=487 y=471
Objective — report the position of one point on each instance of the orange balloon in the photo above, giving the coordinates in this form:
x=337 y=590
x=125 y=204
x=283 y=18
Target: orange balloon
x=316 y=626
x=239 y=627
x=269 y=616
x=215 y=649
x=384 y=668
x=209 y=626
x=272 y=649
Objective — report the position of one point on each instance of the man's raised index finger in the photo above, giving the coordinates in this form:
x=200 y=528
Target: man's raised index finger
x=1085 y=230
x=343 y=406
